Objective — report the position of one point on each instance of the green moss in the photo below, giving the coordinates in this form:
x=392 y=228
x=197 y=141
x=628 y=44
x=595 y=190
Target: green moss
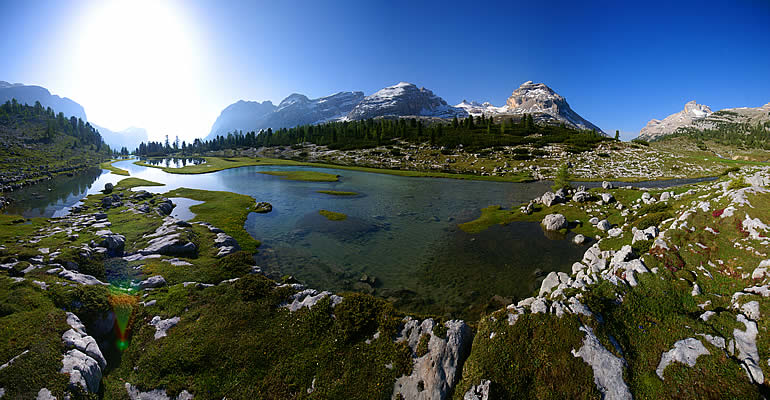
x=228 y=345
x=115 y=170
x=530 y=359
x=491 y=215
x=337 y=193
x=333 y=216
x=307 y=176
x=130 y=183
x=225 y=210
x=29 y=321
x=422 y=345
x=654 y=219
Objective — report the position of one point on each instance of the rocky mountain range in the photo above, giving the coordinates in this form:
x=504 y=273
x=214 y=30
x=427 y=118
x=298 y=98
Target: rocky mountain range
x=401 y=100
x=296 y=109
x=404 y=99
x=700 y=117
x=538 y=100
x=29 y=94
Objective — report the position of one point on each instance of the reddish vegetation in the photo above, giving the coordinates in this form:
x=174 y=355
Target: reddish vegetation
x=717 y=213
x=739 y=227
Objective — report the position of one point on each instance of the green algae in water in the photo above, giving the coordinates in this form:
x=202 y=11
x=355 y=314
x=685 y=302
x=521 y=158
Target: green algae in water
x=333 y=216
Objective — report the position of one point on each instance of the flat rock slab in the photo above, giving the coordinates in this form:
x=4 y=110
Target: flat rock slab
x=685 y=351
x=608 y=369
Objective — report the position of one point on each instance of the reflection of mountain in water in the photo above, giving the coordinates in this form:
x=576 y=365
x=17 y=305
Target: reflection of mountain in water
x=43 y=199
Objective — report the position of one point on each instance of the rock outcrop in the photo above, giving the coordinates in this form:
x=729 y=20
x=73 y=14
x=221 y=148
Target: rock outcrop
x=84 y=361
x=554 y=222
x=435 y=372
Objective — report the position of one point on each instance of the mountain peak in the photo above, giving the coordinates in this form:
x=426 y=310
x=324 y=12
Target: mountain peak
x=546 y=105
x=404 y=99
x=697 y=110
x=692 y=112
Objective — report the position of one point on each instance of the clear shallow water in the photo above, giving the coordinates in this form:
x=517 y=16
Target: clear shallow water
x=402 y=231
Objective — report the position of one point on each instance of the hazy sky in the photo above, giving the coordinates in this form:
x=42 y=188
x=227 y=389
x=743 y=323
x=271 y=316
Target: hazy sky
x=172 y=66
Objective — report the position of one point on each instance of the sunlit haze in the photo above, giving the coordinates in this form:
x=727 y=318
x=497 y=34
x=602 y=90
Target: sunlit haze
x=138 y=63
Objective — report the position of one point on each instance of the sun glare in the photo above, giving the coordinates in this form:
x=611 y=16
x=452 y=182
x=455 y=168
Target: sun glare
x=140 y=59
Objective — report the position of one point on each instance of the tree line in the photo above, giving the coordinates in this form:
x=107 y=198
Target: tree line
x=471 y=133
x=13 y=112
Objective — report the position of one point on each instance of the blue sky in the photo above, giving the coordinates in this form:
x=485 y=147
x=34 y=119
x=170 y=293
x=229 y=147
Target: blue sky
x=618 y=64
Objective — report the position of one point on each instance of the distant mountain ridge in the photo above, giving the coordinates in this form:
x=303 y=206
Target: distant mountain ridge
x=699 y=117
x=400 y=100
x=128 y=138
x=404 y=99
x=29 y=94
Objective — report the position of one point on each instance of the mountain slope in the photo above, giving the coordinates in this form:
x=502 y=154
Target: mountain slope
x=692 y=112
x=28 y=94
x=727 y=124
x=36 y=144
x=404 y=99
x=242 y=115
x=128 y=138
x=297 y=109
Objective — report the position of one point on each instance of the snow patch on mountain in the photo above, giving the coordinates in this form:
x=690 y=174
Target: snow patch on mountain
x=477 y=109
x=404 y=99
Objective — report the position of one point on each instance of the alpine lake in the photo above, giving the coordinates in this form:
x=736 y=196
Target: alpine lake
x=400 y=239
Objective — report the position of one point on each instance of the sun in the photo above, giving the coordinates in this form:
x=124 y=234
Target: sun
x=138 y=62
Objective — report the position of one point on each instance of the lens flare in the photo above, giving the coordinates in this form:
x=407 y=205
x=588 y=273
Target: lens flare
x=123 y=300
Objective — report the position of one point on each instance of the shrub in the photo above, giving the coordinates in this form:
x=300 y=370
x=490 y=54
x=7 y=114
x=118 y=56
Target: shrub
x=652 y=220
x=253 y=287
x=422 y=346
x=359 y=315
x=236 y=264
x=641 y=247
x=641 y=142
x=561 y=181
x=654 y=208
x=737 y=183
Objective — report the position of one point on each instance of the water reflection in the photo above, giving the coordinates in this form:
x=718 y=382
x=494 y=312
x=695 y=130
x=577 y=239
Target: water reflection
x=174 y=162
x=52 y=197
